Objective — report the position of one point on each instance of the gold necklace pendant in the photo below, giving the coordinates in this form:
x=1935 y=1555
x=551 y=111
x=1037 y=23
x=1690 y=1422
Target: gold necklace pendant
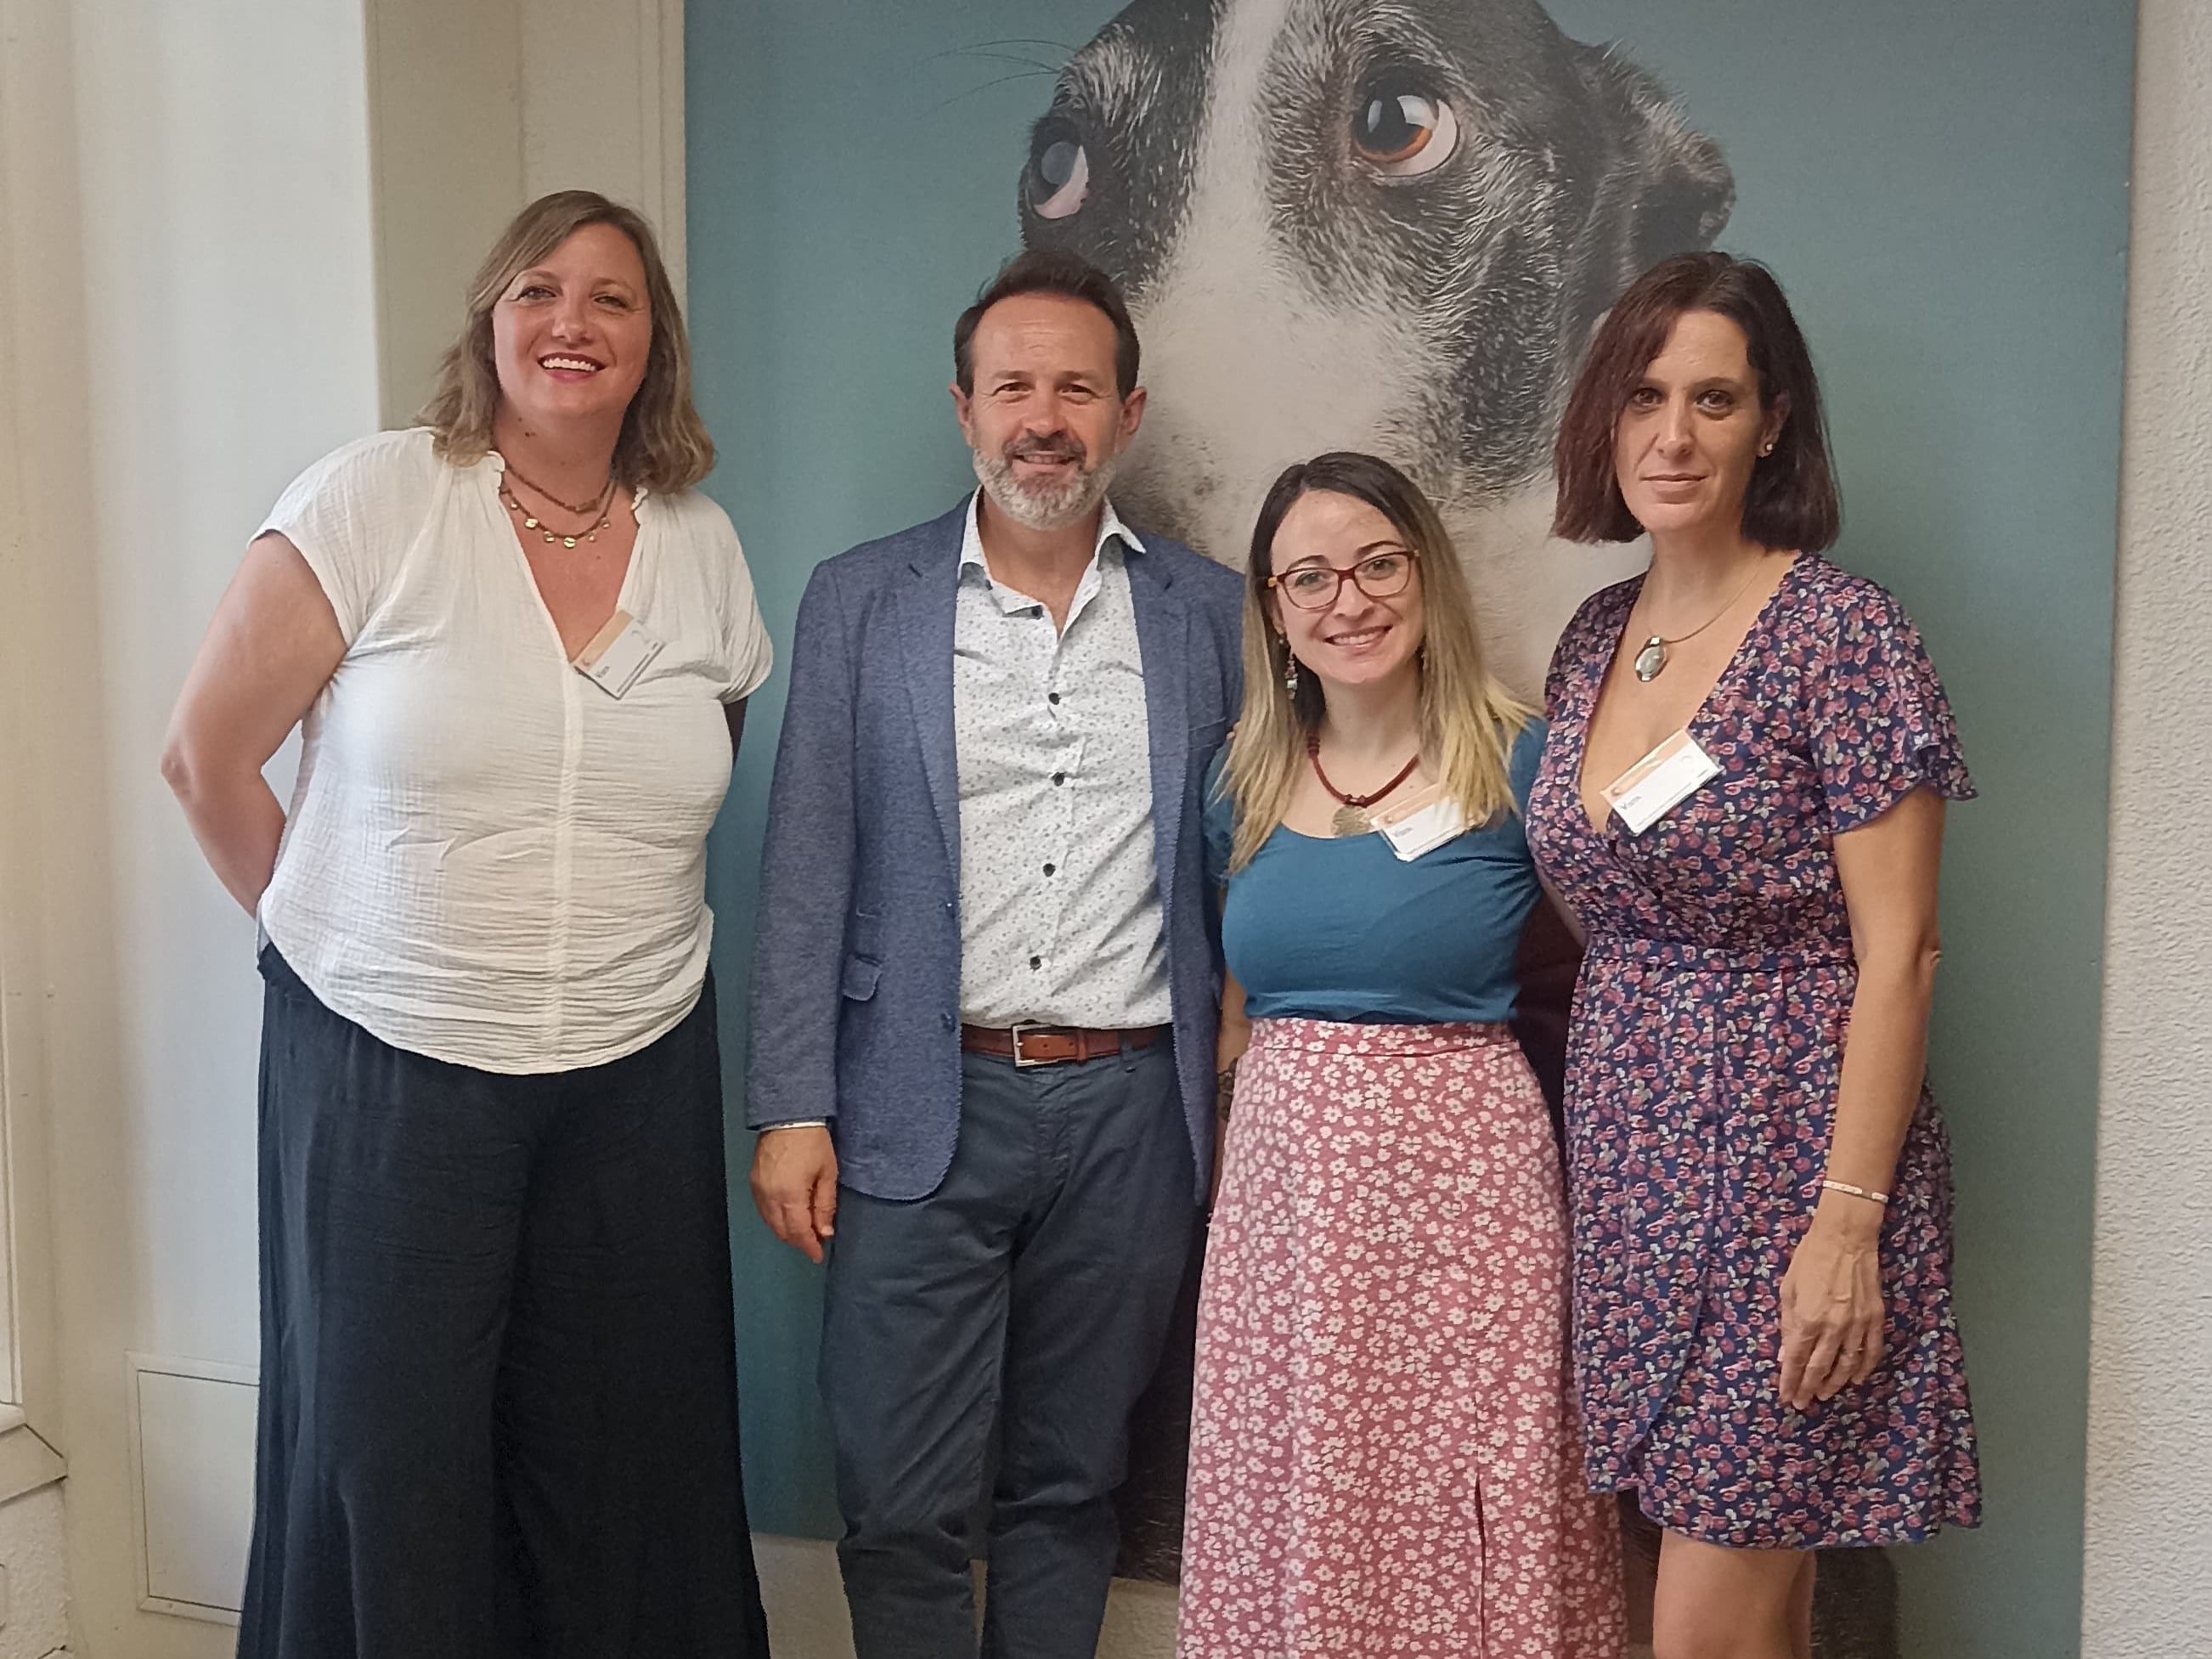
x=1650 y=659
x=530 y=520
x=1350 y=821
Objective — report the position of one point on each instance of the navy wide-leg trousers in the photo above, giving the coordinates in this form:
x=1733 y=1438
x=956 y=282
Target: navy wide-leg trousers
x=498 y=1411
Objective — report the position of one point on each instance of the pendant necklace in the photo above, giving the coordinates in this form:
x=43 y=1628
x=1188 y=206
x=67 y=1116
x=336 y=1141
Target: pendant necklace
x=599 y=509
x=1352 y=818
x=1652 y=659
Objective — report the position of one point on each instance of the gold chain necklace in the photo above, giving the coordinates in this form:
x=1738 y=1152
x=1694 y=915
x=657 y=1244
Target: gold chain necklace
x=530 y=520
x=515 y=472
x=1651 y=660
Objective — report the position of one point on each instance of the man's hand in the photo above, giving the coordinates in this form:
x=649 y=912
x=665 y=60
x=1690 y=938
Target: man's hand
x=795 y=1186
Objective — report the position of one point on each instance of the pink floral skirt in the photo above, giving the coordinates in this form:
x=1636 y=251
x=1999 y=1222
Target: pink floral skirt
x=1384 y=1456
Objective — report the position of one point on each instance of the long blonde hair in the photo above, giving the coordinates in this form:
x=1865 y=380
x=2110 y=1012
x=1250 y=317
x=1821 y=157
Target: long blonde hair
x=663 y=446
x=1468 y=721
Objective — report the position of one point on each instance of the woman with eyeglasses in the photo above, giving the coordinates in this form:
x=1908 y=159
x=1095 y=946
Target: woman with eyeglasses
x=1384 y=1455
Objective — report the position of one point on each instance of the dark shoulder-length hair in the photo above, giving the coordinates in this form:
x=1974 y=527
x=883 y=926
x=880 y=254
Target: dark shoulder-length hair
x=663 y=446
x=1791 y=501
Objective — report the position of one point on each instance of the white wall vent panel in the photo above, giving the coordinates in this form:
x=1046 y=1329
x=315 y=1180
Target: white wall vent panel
x=191 y=1465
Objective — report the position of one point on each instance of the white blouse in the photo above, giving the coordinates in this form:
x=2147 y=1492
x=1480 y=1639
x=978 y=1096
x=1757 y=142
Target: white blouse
x=489 y=860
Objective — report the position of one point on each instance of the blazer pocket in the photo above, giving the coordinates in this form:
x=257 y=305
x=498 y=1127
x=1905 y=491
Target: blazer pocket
x=859 y=983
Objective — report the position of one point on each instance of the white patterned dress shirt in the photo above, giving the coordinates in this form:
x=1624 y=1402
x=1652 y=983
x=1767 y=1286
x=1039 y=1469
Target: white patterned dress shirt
x=1060 y=906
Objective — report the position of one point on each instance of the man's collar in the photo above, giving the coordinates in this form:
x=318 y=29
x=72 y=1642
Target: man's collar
x=1110 y=528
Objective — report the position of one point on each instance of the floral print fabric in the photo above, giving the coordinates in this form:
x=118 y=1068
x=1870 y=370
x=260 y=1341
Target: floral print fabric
x=1704 y=1059
x=1383 y=1452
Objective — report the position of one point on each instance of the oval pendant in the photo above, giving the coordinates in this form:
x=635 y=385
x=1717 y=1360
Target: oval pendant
x=1650 y=659
x=568 y=541
x=530 y=523
x=1351 y=820
x=549 y=538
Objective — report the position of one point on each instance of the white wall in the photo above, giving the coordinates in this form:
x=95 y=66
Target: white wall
x=192 y=218
x=35 y=1573
x=2147 y=1594
x=197 y=210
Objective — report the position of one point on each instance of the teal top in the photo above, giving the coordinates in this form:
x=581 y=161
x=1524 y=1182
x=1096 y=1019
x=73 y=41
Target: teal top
x=1341 y=929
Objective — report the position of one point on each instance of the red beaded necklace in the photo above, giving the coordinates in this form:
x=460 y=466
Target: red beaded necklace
x=1352 y=818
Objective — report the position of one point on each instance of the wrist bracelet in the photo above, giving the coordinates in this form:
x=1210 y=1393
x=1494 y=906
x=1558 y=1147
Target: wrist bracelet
x=1845 y=1186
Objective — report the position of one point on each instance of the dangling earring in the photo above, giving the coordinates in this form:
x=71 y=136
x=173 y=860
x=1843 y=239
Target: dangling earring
x=1289 y=671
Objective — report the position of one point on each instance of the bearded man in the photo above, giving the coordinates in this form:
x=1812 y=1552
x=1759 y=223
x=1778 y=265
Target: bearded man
x=985 y=992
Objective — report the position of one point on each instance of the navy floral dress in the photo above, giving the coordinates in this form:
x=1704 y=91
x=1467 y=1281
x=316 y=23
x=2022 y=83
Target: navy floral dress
x=1704 y=1057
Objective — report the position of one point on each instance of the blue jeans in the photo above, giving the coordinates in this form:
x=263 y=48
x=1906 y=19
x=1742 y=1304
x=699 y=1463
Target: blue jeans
x=1035 y=1286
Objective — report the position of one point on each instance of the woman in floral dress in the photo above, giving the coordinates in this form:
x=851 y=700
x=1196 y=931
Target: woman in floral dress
x=1383 y=1449
x=1742 y=800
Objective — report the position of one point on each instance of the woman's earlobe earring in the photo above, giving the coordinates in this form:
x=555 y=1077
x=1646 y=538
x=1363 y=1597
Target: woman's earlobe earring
x=1290 y=671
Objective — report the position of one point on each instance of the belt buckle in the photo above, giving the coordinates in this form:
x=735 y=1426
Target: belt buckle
x=1014 y=1034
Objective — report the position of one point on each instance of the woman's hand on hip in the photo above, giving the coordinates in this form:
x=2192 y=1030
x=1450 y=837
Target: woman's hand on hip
x=1832 y=1311
x=795 y=1186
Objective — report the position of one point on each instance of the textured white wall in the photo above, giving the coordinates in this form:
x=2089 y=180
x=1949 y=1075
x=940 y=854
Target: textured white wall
x=2147 y=1594
x=31 y=1549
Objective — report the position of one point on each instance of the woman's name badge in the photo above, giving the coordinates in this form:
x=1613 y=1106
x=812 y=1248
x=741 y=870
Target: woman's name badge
x=1660 y=782
x=1421 y=824
x=618 y=654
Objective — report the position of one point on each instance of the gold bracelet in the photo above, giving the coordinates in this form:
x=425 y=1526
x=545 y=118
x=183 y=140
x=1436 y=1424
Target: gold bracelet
x=1827 y=1185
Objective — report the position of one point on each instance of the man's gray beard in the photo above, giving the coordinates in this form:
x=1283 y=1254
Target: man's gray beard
x=1048 y=508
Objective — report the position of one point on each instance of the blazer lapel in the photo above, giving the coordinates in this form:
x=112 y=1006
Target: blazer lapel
x=1162 y=649
x=927 y=599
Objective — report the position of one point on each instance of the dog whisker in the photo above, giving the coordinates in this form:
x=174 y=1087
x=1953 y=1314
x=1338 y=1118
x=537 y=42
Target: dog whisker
x=1002 y=58
x=1026 y=74
x=1031 y=40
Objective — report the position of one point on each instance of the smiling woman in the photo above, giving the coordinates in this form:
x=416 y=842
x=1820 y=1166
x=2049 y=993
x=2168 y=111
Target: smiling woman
x=518 y=644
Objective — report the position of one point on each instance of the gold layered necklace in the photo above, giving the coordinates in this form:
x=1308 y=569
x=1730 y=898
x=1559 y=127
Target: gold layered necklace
x=598 y=512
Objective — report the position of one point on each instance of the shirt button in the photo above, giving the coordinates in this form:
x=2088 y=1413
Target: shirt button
x=948 y=1021
x=1052 y=697
x=1059 y=778
x=1049 y=868
x=1035 y=963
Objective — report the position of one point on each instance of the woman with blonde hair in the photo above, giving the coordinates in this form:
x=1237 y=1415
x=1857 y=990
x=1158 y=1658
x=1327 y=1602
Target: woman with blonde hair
x=1383 y=1449
x=498 y=1410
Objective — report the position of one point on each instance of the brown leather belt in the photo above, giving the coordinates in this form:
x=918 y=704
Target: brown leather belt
x=1054 y=1045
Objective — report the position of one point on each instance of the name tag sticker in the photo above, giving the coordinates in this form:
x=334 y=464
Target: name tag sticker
x=1421 y=825
x=618 y=654
x=1661 y=782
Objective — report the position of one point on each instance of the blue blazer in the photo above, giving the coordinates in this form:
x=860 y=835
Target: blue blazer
x=856 y=966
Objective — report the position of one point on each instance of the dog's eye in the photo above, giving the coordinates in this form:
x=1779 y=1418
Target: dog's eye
x=1402 y=134
x=1059 y=176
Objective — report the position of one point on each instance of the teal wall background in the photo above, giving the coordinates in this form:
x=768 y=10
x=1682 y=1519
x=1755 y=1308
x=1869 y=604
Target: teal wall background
x=1944 y=191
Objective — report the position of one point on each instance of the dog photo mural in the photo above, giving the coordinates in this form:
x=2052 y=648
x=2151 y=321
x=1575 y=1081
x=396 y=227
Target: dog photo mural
x=1391 y=226
x=1386 y=225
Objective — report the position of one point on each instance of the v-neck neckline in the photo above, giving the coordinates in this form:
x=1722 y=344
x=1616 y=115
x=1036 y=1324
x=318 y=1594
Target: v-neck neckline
x=1761 y=622
x=494 y=470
